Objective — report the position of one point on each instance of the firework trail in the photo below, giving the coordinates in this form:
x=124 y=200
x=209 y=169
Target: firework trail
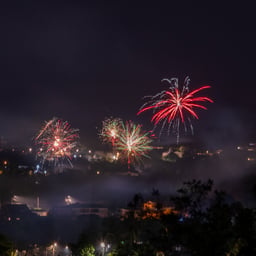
x=133 y=143
x=44 y=128
x=110 y=130
x=56 y=141
x=175 y=106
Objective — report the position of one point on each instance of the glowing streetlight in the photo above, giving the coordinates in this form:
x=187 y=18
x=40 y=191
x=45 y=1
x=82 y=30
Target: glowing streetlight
x=102 y=245
x=53 y=248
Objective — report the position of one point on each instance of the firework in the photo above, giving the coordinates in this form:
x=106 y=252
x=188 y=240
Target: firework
x=133 y=143
x=110 y=130
x=175 y=106
x=56 y=141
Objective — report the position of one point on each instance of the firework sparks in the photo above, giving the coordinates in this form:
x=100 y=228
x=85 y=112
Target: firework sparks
x=56 y=140
x=110 y=130
x=172 y=106
x=133 y=143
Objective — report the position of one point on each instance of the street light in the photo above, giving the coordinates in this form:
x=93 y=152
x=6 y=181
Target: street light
x=66 y=250
x=102 y=244
x=53 y=248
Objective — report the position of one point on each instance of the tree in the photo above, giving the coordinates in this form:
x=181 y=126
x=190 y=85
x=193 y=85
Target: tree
x=6 y=247
x=87 y=251
x=83 y=242
x=192 y=196
x=210 y=221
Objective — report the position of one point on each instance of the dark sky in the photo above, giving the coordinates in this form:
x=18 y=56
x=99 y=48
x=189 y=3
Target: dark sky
x=83 y=62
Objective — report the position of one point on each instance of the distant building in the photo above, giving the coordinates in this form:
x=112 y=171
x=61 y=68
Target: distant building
x=15 y=212
x=75 y=210
x=40 y=212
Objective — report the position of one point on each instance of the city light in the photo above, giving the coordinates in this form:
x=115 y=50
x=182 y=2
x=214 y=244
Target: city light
x=102 y=245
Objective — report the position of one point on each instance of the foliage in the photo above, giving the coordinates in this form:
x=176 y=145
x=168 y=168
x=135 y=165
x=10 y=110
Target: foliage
x=203 y=222
x=6 y=247
x=192 y=196
x=87 y=251
x=200 y=222
x=214 y=225
x=85 y=241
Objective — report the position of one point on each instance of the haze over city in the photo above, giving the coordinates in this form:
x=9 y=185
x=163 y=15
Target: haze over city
x=69 y=68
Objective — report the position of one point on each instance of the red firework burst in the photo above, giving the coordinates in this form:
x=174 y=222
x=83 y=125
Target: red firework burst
x=56 y=140
x=171 y=105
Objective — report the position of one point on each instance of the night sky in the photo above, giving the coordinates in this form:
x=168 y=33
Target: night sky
x=83 y=62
